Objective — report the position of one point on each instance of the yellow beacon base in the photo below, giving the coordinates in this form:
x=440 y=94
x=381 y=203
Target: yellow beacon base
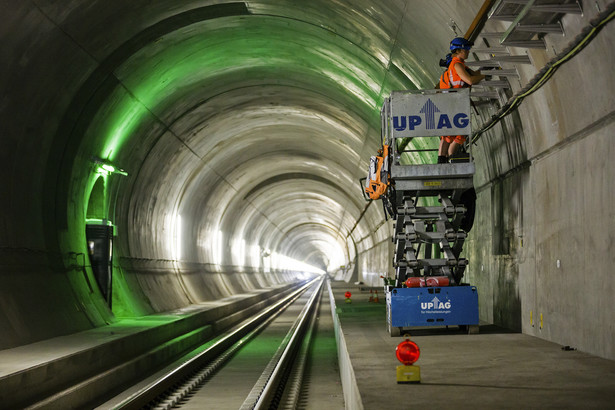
x=408 y=374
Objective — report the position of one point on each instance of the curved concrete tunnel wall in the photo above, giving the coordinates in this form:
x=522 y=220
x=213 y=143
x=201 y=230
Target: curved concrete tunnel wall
x=247 y=125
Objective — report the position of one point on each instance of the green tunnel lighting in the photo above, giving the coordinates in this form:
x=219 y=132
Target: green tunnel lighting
x=106 y=167
x=169 y=77
x=122 y=122
x=189 y=59
x=209 y=58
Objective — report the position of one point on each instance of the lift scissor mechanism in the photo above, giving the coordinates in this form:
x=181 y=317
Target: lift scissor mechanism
x=432 y=206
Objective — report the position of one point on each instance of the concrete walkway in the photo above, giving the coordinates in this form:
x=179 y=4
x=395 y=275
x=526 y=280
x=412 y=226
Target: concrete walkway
x=495 y=369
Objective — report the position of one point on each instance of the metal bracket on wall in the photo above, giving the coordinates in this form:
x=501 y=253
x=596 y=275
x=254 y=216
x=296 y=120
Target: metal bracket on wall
x=530 y=21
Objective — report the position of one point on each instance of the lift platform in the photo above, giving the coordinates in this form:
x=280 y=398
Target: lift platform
x=433 y=209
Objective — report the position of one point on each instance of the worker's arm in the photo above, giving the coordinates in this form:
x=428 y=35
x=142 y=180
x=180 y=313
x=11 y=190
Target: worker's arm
x=474 y=78
x=472 y=72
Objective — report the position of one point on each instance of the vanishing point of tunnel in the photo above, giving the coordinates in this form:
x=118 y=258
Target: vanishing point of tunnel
x=198 y=150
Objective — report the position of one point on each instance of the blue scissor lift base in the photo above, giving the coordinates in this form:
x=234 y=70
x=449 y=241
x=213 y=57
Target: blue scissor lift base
x=432 y=306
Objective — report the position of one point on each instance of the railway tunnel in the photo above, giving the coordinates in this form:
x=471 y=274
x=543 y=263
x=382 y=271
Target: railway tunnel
x=158 y=156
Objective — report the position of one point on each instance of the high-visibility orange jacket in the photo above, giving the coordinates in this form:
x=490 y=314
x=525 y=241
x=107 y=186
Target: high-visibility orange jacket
x=450 y=78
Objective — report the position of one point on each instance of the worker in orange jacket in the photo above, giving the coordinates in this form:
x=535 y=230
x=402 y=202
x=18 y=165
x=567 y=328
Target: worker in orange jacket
x=457 y=75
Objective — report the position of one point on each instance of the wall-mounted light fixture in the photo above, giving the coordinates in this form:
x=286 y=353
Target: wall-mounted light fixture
x=105 y=166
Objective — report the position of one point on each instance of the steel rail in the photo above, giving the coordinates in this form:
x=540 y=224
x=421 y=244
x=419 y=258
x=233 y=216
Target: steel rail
x=216 y=348
x=172 y=398
x=294 y=384
x=271 y=384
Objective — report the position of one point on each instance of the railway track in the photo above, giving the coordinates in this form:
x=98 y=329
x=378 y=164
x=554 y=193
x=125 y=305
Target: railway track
x=258 y=364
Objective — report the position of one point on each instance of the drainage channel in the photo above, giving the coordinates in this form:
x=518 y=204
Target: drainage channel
x=259 y=364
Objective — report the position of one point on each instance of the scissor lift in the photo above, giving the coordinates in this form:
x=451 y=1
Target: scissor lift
x=433 y=208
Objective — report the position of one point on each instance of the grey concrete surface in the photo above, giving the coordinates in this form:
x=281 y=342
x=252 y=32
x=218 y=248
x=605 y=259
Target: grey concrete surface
x=78 y=370
x=322 y=387
x=496 y=369
x=244 y=128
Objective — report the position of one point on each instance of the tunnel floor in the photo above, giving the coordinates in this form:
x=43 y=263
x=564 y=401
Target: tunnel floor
x=493 y=369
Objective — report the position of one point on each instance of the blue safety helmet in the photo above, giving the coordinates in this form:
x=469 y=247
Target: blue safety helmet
x=460 y=42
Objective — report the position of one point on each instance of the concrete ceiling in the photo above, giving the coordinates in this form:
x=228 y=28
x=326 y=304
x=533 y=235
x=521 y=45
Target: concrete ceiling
x=244 y=128
x=253 y=119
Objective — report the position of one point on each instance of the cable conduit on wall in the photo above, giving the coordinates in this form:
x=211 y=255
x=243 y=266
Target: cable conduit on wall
x=589 y=130
x=540 y=79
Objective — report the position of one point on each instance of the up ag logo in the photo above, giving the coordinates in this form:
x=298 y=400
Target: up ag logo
x=436 y=304
x=429 y=111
